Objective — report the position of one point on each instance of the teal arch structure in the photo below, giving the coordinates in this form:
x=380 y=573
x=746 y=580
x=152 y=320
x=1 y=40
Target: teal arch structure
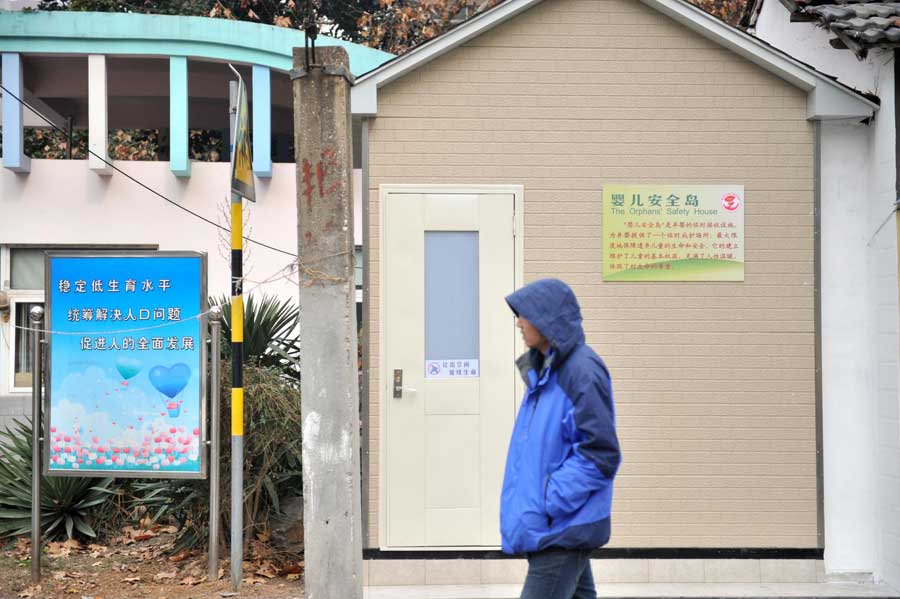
x=67 y=32
x=264 y=47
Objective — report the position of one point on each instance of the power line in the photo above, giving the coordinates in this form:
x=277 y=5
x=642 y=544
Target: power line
x=893 y=210
x=148 y=188
x=274 y=278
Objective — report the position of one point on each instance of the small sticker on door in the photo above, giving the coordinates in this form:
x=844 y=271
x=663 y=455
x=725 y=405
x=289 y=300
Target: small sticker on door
x=451 y=369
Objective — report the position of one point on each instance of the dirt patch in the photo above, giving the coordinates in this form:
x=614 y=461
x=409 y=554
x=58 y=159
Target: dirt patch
x=141 y=564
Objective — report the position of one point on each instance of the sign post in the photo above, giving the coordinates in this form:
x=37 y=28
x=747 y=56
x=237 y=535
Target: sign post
x=37 y=317
x=126 y=370
x=242 y=186
x=215 y=325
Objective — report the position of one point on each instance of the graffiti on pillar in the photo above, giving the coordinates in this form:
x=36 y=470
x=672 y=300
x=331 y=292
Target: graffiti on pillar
x=327 y=176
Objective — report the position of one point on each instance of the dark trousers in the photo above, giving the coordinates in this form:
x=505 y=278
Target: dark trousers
x=559 y=574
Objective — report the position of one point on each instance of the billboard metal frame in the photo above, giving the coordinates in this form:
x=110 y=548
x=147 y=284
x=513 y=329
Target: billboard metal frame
x=202 y=340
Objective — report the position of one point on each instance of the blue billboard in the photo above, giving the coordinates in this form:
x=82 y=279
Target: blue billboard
x=126 y=366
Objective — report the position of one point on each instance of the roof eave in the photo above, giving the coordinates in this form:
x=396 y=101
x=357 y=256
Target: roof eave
x=841 y=103
x=364 y=98
x=826 y=98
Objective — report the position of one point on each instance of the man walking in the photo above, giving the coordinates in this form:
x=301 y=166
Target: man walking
x=564 y=453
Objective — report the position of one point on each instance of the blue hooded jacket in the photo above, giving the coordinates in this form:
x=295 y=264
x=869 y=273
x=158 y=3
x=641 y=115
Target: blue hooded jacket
x=564 y=453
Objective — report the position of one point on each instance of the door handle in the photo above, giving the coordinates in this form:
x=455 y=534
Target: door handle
x=398 y=385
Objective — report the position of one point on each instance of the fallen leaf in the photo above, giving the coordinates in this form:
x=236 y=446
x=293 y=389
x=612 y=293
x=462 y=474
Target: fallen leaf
x=260 y=550
x=267 y=569
x=293 y=576
x=166 y=575
x=180 y=556
x=32 y=591
x=62 y=549
x=133 y=579
x=228 y=594
x=189 y=581
x=95 y=564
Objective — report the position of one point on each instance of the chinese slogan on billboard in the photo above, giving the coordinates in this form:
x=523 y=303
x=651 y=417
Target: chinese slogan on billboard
x=125 y=370
x=673 y=233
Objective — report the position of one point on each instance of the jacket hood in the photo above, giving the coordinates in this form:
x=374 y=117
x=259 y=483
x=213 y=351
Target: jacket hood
x=550 y=305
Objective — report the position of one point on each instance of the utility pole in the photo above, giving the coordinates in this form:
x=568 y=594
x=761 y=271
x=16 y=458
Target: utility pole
x=328 y=358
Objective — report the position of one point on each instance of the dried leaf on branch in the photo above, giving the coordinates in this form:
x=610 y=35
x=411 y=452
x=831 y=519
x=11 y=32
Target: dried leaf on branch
x=729 y=11
x=398 y=25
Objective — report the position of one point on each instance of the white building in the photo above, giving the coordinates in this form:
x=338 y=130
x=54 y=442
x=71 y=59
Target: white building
x=161 y=73
x=853 y=43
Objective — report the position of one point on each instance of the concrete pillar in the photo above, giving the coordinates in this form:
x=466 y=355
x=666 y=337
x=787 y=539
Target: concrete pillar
x=14 y=157
x=848 y=353
x=328 y=358
x=98 y=128
x=179 y=158
x=262 y=121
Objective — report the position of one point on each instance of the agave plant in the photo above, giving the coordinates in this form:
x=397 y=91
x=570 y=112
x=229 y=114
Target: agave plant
x=67 y=504
x=270 y=332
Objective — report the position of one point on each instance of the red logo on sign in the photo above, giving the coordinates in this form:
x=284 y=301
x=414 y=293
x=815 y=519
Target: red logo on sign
x=731 y=201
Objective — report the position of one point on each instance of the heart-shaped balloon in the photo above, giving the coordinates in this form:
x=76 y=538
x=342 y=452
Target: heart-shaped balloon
x=170 y=381
x=128 y=367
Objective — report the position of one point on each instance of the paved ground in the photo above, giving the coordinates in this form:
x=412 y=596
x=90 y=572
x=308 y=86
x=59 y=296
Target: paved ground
x=646 y=591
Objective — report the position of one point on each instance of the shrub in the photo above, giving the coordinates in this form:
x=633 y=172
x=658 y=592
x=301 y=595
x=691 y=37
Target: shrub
x=53 y=144
x=206 y=145
x=68 y=505
x=134 y=144
x=47 y=142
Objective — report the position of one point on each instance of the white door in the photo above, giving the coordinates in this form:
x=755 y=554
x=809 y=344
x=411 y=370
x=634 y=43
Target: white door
x=449 y=393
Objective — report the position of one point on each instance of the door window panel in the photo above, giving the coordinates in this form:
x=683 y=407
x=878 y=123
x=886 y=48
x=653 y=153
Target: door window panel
x=451 y=295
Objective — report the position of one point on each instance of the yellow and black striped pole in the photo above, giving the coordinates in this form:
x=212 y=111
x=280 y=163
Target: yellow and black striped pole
x=237 y=391
x=241 y=187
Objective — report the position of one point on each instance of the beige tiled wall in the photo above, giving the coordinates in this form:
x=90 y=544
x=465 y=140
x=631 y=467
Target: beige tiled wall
x=714 y=382
x=400 y=572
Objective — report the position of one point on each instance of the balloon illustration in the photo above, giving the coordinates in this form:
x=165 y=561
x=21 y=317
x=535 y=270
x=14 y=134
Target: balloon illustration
x=128 y=368
x=170 y=382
